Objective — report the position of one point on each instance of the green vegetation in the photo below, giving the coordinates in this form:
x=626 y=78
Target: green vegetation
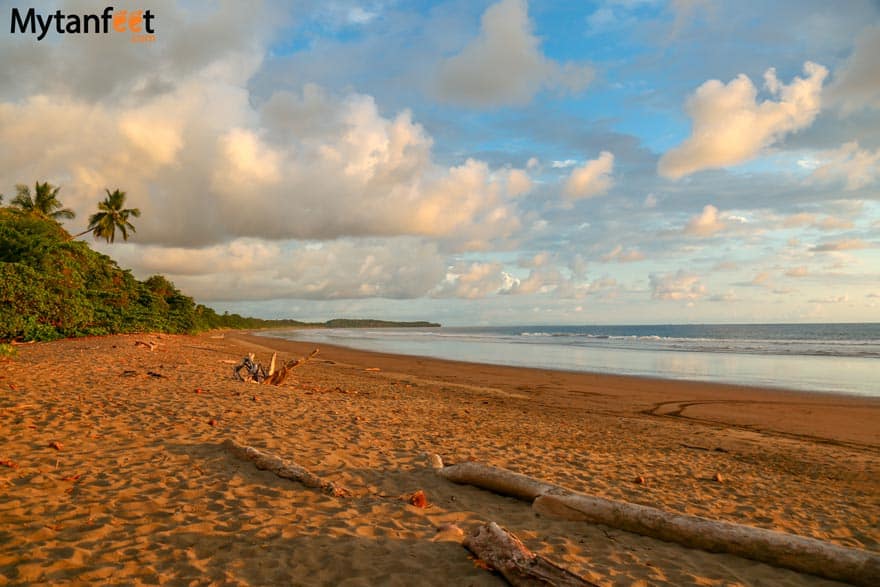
x=52 y=286
x=7 y=351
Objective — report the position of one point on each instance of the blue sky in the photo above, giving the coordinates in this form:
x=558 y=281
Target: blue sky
x=512 y=162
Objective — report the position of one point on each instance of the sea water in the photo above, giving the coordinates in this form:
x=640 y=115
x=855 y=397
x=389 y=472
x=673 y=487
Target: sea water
x=840 y=358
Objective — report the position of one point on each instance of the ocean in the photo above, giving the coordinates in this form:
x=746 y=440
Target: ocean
x=837 y=358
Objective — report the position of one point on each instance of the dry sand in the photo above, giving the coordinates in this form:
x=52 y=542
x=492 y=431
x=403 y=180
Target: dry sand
x=138 y=490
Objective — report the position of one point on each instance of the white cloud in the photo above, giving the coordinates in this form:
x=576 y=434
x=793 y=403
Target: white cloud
x=398 y=268
x=504 y=65
x=563 y=164
x=205 y=167
x=473 y=280
x=539 y=280
x=518 y=182
x=706 y=223
x=591 y=179
x=730 y=126
x=678 y=286
x=854 y=167
x=857 y=83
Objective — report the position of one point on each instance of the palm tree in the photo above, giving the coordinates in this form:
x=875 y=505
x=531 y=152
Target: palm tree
x=110 y=216
x=44 y=202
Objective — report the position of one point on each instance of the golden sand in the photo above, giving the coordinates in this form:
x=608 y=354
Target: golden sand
x=113 y=471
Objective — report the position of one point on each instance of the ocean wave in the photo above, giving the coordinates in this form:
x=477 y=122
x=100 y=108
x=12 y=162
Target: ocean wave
x=784 y=344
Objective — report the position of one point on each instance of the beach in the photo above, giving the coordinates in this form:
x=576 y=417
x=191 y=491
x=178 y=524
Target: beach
x=112 y=468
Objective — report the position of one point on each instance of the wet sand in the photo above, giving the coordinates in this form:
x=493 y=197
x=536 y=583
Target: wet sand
x=138 y=490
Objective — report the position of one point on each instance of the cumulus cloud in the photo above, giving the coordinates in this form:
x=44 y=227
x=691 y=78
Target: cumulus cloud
x=591 y=179
x=539 y=280
x=205 y=166
x=856 y=84
x=678 y=286
x=504 y=65
x=541 y=259
x=852 y=166
x=518 y=182
x=730 y=126
x=248 y=269
x=706 y=223
x=307 y=193
x=472 y=280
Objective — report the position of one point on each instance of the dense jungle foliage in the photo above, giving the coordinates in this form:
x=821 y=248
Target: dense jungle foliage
x=53 y=287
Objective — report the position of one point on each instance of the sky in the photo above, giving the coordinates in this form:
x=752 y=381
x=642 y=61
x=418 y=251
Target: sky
x=472 y=162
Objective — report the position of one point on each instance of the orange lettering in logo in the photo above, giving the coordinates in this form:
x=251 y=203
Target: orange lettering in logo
x=134 y=23
x=119 y=20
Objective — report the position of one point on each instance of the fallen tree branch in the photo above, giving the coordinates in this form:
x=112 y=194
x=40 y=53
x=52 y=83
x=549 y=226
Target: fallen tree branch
x=278 y=377
x=284 y=469
x=805 y=555
x=802 y=554
x=498 y=480
x=505 y=553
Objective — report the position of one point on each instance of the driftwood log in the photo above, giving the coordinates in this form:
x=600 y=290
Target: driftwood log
x=498 y=480
x=284 y=469
x=278 y=377
x=805 y=555
x=505 y=553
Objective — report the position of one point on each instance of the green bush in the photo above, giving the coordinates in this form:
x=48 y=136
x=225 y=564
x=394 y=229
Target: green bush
x=54 y=287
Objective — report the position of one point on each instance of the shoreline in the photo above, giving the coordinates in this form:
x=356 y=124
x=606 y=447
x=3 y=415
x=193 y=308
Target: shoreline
x=114 y=471
x=640 y=391
x=845 y=374
x=647 y=378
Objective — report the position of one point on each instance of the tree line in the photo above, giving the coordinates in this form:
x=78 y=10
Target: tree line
x=54 y=286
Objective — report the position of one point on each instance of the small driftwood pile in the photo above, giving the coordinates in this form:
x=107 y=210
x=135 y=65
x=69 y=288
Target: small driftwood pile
x=284 y=469
x=505 y=553
x=256 y=373
x=805 y=555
